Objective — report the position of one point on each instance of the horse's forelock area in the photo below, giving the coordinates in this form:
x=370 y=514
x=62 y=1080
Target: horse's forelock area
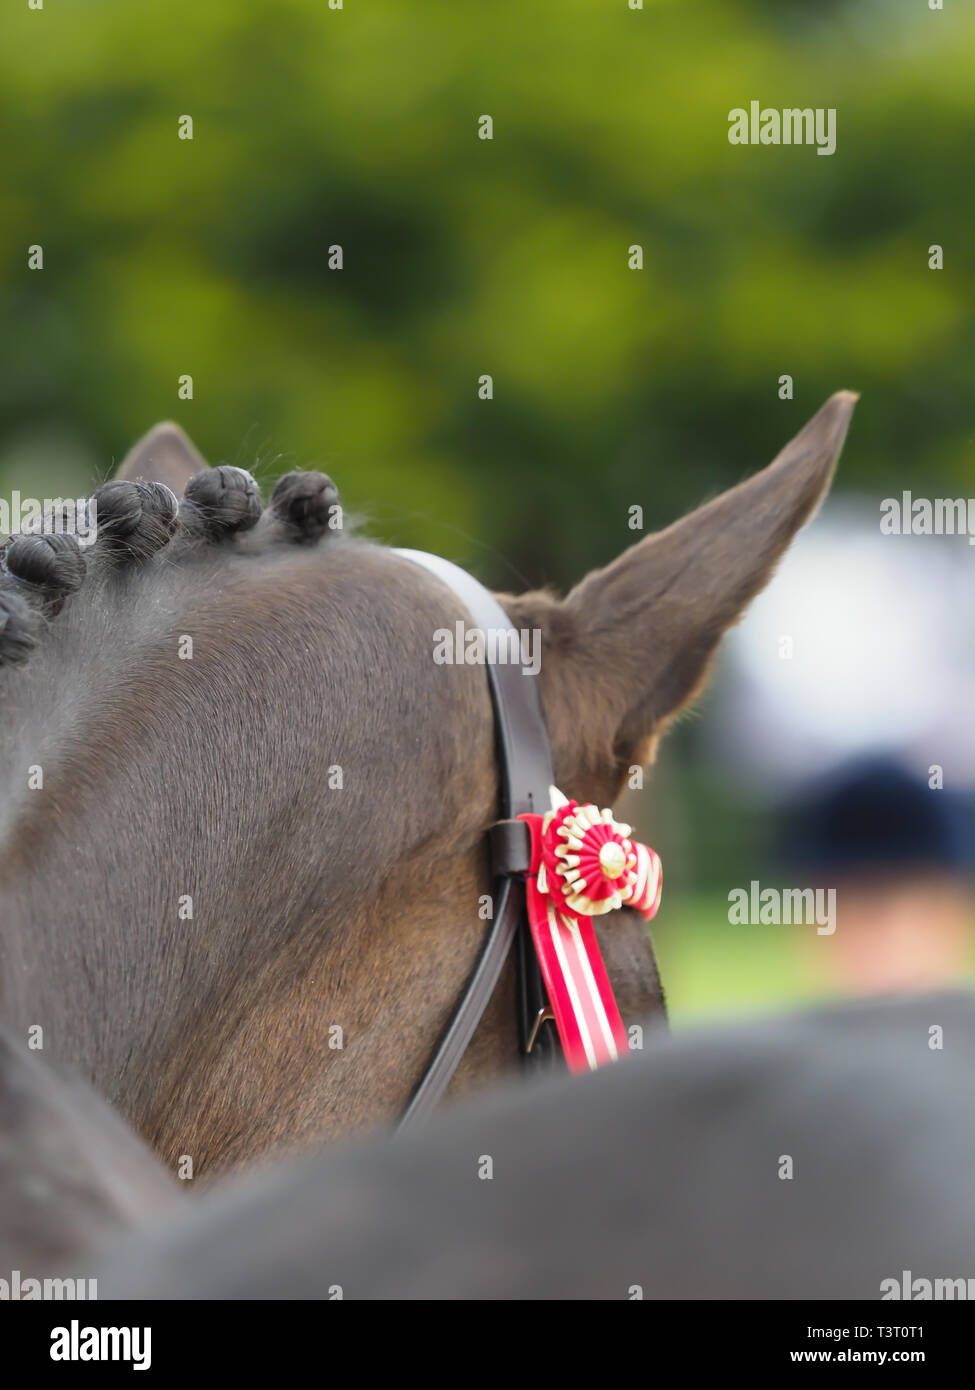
x=304 y=779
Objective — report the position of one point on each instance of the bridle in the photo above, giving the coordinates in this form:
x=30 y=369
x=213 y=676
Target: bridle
x=525 y=762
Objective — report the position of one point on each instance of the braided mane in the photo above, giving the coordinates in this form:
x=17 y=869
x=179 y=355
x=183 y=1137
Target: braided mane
x=132 y=521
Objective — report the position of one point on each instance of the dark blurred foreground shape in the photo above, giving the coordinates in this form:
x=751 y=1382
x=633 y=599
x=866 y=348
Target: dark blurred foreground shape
x=661 y=1173
x=899 y=854
x=72 y=1173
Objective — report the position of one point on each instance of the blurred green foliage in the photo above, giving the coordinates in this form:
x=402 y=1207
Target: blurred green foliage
x=710 y=967
x=358 y=126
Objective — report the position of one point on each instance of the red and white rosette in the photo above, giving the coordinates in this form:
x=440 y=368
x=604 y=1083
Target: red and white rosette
x=584 y=864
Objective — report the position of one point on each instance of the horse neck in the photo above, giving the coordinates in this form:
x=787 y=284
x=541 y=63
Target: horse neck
x=202 y=926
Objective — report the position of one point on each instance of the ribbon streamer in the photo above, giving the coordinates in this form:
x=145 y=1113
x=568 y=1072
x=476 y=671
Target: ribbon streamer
x=584 y=864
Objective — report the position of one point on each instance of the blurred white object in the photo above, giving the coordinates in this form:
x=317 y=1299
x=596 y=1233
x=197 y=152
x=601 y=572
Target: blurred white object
x=882 y=632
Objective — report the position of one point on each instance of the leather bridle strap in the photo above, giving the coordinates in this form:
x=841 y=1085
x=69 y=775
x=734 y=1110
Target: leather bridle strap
x=526 y=775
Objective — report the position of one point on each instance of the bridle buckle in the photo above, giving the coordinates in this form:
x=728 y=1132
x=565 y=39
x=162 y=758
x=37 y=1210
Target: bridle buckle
x=544 y=1015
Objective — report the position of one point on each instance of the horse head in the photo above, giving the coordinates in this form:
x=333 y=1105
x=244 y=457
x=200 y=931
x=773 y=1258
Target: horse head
x=244 y=809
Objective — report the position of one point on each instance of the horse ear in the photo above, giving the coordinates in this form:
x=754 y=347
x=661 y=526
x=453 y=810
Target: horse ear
x=632 y=644
x=164 y=455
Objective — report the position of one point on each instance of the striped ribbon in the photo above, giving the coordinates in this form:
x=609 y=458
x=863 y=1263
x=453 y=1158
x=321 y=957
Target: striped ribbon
x=572 y=840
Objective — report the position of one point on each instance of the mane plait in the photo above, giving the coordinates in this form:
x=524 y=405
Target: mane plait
x=52 y=565
x=220 y=502
x=40 y=570
x=135 y=520
x=304 y=504
x=19 y=625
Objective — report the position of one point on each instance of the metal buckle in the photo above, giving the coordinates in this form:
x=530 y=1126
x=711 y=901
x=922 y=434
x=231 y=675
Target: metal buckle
x=544 y=1015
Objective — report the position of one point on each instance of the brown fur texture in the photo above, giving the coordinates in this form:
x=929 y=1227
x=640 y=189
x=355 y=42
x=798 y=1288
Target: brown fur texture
x=314 y=907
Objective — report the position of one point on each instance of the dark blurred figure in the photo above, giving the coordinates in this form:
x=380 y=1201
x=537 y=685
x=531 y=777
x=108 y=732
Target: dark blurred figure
x=899 y=854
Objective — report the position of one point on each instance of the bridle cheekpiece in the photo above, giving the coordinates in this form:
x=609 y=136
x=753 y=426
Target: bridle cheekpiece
x=557 y=866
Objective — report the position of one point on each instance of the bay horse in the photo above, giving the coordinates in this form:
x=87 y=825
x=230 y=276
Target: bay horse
x=243 y=810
